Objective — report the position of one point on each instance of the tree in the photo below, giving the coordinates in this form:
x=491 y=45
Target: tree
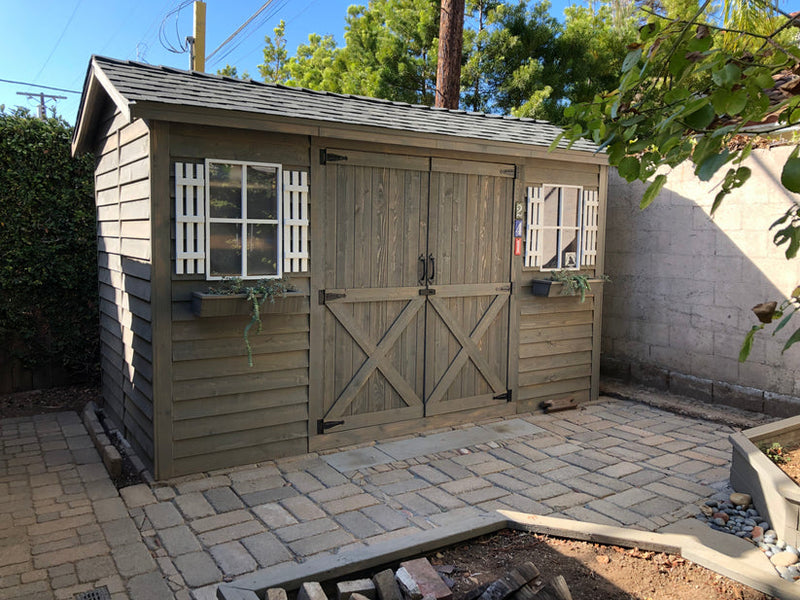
x=390 y=50
x=690 y=87
x=317 y=65
x=451 y=41
x=274 y=68
x=521 y=60
x=229 y=71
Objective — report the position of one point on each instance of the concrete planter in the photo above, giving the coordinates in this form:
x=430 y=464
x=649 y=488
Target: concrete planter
x=775 y=495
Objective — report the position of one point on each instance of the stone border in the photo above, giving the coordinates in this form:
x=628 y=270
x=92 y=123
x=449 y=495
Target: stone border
x=112 y=459
x=711 y=391
x=735 y=558
x=774 y=494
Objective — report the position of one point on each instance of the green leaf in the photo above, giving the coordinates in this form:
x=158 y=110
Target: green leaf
x=718 y=199
x=555 y=142
x=628 y=168
x=652 y=191
x=784 y=321
x=727 y=75
x=631 y=60
x=711 y=165
x=701 y=118
x=747 y=345
x=791 y=341
x=790 y=176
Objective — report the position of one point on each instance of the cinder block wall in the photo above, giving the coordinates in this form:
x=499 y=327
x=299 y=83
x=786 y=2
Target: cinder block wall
x=683 y=284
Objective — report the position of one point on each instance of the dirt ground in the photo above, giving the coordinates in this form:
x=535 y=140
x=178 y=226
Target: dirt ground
x=592 y=571
x=792 y=466
x=39 y=402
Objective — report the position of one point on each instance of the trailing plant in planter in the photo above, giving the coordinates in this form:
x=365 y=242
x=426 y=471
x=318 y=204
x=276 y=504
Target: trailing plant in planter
x=575 y=283
x=258 y=292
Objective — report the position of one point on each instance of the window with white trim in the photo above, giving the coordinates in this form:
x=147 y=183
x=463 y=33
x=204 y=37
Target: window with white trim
x=561 y=227
x=240 y=219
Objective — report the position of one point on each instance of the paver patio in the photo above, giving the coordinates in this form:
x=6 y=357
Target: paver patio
x=64 y=528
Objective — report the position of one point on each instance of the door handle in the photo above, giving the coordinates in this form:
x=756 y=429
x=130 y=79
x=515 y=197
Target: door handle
x=422 y=270
x=432 y=262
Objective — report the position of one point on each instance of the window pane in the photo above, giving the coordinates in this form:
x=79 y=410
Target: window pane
x=569 y=249
x=550 y=248
x=262 y=192
x=262 y=249
x=569 y=207
x=549 y=208
x=225 y=250
x=225 y=193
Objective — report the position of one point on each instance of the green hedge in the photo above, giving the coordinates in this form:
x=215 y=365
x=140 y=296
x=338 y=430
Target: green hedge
x=48 y=263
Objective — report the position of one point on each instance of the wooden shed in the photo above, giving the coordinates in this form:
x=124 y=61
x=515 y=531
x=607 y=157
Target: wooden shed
x=411 y=234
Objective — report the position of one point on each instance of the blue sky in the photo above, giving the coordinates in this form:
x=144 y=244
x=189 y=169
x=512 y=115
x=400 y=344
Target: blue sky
x=50 y=42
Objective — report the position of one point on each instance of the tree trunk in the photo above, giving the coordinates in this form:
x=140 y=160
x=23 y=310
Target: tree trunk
x=451 y=39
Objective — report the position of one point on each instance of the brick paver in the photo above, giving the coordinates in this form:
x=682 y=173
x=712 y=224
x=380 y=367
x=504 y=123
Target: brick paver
x=65 y=528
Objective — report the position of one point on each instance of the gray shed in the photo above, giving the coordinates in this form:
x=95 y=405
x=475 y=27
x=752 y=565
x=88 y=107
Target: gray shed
x=411 y=234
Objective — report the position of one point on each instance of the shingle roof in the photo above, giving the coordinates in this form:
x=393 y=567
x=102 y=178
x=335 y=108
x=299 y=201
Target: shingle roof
x=138 y=82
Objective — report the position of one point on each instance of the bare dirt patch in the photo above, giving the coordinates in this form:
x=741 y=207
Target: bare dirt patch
x=592 y=571
x=39 y=402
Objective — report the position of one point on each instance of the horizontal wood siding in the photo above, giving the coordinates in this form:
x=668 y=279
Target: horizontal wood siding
x=555 y=349
x=122 y=196
x=224 y=412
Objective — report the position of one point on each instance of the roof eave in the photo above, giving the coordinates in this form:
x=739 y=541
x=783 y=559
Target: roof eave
x=330 y=129
x=96 y=86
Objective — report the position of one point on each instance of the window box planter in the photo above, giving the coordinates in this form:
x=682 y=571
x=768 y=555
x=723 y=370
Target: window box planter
x=235 y=305
x=774 y=494
x=547 y=288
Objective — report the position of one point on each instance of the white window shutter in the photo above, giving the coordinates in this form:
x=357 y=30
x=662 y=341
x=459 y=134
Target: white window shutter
x=190 y=220
x=533 y=234
x=591 y=207
x=295 y=221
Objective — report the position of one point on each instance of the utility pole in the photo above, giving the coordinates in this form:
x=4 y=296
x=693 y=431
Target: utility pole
x=197 y=43
x=451 y=40
x=42 y=108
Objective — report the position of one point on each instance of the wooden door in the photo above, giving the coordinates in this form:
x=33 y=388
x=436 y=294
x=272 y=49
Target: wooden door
x=415 y=292
x=469 y=245
x=374 y=316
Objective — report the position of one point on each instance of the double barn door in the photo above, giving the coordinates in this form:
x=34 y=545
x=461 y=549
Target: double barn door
x=415 y=300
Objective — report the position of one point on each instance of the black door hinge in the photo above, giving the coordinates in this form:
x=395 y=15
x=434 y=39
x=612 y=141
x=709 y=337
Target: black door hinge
x=327 y=296
x=510 y=172
x=322 y=425
x=504 y=396
x=427 y=292
x=325 y=157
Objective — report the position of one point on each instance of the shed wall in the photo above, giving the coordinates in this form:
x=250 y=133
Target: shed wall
x=559 y=351
x=122 y=194
x=224 y=412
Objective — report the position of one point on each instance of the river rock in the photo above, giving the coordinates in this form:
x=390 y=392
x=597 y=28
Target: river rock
x=721 y=515
x=739 y=499
x=783 y=559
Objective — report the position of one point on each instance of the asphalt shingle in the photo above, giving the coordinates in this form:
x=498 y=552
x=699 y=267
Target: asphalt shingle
x=138 y=83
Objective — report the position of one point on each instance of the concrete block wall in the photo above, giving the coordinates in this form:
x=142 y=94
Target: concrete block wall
x=683 y=284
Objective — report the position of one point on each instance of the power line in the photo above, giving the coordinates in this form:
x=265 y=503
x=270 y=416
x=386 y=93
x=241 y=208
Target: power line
x=60 y=37
x=245 y=24
x=46 y=87
x=262 y=20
